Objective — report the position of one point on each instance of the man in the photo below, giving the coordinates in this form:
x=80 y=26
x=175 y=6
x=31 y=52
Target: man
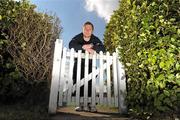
x=85 y=41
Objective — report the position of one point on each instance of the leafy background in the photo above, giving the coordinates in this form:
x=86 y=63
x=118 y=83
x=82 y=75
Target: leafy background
x=146 y=33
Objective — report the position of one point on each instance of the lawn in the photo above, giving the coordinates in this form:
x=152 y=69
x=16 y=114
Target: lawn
x=23 y=112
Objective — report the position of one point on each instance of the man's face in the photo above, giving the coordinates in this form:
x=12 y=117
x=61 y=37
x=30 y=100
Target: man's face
x=87 y=31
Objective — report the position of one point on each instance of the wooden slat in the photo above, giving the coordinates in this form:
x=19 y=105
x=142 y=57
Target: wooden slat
x=65 y=95
x=90 y=76
x=62 y=78
x=105 y=102
x=121 y=88
x=86 y=80
x=70 y=82
x=55 y=77
x=115 y=79
x=66 y=80
x=94 y=80
x=73 y=99
x=108 y=79
x=90 y=56
x=101 y=79
x=78 y=78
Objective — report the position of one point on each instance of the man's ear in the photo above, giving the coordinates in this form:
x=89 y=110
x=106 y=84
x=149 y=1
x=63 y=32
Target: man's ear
x=83 y=29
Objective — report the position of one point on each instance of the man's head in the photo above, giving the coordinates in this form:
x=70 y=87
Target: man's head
x=88 y=29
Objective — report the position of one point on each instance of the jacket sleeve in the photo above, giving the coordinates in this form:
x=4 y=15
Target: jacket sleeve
x=75 y=43
x=98 y=46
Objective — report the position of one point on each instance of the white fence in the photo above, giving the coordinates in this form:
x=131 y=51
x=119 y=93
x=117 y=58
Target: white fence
x=108 y=79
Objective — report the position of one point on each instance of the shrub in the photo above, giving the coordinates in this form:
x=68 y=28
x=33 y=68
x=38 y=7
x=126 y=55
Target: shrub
x=31 y=44
x=147 y=36
x=9 y=75
x=26 y=49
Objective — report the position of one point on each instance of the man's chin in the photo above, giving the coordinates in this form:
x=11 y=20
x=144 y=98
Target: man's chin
x=88 y=36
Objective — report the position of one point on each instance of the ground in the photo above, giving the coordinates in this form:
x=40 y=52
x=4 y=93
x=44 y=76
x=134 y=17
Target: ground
x=68 y=113
x=40 y=112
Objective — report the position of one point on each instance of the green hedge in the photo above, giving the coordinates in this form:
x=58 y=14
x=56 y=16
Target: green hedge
x=146 y=33
x=9 y=75
x=26 y=49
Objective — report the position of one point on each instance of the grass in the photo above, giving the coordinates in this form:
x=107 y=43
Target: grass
x=23 y=112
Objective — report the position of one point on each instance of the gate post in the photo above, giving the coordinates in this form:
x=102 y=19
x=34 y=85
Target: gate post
x=121 y=87
x=55 y=77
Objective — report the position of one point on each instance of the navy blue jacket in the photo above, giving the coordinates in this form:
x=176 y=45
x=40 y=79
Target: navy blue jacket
x=77 y=42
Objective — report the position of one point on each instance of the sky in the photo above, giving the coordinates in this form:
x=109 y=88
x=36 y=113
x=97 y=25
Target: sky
x=74 y=13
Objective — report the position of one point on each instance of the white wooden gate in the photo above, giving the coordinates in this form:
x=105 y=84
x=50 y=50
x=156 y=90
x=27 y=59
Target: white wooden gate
x=108 y=79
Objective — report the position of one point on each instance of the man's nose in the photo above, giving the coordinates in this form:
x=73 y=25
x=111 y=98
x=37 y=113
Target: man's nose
x=88 y=30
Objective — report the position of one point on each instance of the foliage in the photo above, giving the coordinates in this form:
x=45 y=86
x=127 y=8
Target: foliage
x=27 y=38
x=32 y=38
x=146 y=34
x=21 y=27
x=9 y=75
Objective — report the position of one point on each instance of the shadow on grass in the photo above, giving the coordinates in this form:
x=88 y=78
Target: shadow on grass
x=23 y=112
x=32 y=105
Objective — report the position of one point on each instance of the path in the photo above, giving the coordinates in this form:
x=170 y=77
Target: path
x=68 y=113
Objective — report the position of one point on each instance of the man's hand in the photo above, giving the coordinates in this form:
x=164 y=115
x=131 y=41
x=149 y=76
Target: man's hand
x=87 y=46
x=91 y=51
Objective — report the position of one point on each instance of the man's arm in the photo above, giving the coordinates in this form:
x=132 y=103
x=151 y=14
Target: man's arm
x=75 y=43
x=98 y=46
